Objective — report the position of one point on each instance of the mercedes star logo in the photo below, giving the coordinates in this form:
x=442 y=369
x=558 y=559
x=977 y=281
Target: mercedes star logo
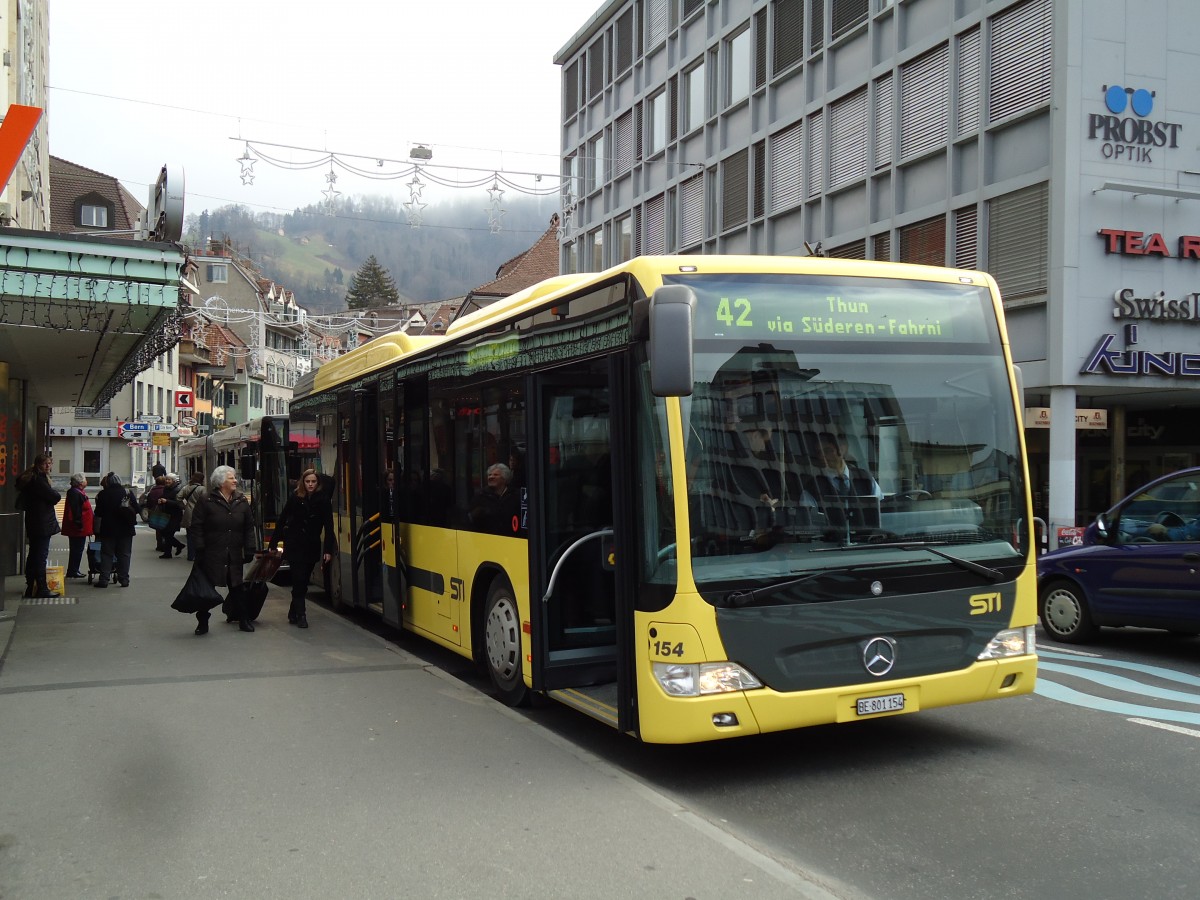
x=879 y=656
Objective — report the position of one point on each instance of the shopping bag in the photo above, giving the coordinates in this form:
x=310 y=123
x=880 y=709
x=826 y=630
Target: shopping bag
x=55 y=580
x=265 y=566
x=245 y=601
x=159 y=520
x=198 y=594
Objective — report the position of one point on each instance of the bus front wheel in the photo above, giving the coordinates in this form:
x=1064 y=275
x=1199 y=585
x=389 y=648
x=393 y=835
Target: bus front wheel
x=502 y=644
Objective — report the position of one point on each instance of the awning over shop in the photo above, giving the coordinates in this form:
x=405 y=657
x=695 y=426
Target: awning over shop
x=80 y=316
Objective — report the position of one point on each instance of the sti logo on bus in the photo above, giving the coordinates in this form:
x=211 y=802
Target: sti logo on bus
x=981 y=604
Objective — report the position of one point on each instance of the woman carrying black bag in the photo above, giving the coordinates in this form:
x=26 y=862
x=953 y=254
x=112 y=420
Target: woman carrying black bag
x=307 y=514
x=222 y=534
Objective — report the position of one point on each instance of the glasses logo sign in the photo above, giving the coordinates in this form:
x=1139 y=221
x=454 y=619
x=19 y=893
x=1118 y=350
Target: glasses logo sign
x=1125 y=130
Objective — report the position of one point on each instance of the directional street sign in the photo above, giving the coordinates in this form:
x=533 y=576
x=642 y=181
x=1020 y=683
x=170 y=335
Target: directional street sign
x=159 y=427
x=130 y=430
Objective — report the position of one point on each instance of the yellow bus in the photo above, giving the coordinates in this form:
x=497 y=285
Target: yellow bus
x=698 y=497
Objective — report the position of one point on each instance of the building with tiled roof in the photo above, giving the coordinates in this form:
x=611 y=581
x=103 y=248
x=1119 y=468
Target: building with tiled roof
x=526 y=269
x=84 y=200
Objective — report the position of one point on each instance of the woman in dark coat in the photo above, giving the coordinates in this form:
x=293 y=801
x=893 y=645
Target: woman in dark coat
x=77 y=522
x=307 y=513
x=222 y=534
x=150 y=503
x=38 y=500
x=116 y=508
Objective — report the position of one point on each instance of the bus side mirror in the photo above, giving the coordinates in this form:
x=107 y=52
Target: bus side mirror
x=672 y=312
x=246 y=467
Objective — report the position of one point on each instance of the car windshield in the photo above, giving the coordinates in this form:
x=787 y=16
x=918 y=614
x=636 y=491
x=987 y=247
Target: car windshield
x=809 y=436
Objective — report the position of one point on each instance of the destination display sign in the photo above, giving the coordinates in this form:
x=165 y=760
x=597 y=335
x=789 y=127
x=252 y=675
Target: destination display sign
x=840 y=309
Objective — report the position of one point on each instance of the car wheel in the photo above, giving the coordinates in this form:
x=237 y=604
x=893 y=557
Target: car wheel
x=1064 y=613
x=502 y=644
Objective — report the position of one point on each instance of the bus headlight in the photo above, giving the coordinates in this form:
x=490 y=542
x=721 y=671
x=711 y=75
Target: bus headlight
x=696 y=679
x=1010 y=642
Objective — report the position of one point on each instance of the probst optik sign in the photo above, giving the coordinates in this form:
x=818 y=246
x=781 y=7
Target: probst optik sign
x=1126 y=131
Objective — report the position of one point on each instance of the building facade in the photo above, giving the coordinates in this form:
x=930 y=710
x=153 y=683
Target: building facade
x=1051 y=143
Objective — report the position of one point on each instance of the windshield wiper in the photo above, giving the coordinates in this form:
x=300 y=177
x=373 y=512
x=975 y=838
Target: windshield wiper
x=986 y=571
x=745 y=598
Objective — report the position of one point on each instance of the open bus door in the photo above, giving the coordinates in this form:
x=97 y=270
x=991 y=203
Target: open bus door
x=581 y=614
x=359 y=534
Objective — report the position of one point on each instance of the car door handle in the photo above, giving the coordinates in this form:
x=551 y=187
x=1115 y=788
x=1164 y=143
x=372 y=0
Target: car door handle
x=1191 y=557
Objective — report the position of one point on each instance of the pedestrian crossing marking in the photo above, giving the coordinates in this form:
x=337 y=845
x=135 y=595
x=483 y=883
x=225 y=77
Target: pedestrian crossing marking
x=49 y=601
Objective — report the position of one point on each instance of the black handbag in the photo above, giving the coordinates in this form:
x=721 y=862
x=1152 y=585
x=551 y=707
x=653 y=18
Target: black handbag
x=198 y=594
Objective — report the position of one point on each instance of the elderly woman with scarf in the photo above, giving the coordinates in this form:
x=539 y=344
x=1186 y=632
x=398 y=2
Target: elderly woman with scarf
x=222 y=536
x=77 y=523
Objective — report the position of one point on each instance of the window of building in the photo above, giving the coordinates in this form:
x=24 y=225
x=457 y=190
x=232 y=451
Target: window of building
x=623 y=228
x=788 y=34
x=91 y=462
x=735 y=190
x=654 y=233
x=596 y=68
x=695 y=107
x=1018 y=235
x=847 y=149
x=924 y=242
x=786 y=162
x=737 y=67
x=924 y=102
x=1020 y=70
x=93 y=216
x=884 y=100
x=966 y=238
x=691 y=212
x=597 y=164
x=853 y=250
x=881 y=246
x=968 y=67
x=816 y=25
x=846 y=15
x=217 y=273
x=624 y=38
x=816 y=154
x=570 y=90
x=623 y=145
x=691 y=6
x=656 y=123
x=595 y=250
x=657 y=19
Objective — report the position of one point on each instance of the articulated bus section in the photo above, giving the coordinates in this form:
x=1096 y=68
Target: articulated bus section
x=660 y=495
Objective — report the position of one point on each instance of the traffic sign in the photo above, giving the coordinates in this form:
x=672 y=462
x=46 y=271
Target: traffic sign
x=143 y=445
x=149 y=418
x=132 y=428
x=184 y=400
x=159 y=427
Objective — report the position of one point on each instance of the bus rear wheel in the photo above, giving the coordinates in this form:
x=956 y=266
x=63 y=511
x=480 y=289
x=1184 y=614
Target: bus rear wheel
x=502 y=644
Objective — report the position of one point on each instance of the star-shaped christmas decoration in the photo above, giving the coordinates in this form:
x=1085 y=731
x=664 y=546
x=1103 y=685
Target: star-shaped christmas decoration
x=415 y=187
x=247 y=162
x=494 y=209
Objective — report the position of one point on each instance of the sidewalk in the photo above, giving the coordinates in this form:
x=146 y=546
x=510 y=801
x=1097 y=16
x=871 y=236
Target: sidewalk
x=137 y=759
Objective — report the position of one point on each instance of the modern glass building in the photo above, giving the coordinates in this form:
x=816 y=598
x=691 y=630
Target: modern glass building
x=1052 y=143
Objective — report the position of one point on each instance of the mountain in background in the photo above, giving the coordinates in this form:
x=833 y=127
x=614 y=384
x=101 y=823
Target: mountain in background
x=315 y=255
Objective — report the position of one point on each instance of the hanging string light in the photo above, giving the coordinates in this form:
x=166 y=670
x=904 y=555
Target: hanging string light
x=378 y=168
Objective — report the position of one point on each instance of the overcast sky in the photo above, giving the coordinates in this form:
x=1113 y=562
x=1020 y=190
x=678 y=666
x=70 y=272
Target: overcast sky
x=135 y=84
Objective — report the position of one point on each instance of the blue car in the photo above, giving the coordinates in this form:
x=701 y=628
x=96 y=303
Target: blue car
x=1139 y=565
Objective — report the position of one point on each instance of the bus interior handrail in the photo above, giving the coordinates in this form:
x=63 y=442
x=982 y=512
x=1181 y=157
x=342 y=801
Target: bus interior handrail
x=558 y=565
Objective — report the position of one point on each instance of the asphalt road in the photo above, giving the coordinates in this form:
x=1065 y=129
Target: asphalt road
x=1083 y=790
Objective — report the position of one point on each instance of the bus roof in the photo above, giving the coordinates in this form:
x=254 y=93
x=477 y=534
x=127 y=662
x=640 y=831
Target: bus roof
x=646 y=270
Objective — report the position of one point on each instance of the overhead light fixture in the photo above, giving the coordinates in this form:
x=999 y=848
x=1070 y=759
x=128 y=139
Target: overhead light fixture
x=420 y=151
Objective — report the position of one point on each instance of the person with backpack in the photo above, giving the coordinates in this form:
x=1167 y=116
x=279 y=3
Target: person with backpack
x=189 y=495
x=117 y=510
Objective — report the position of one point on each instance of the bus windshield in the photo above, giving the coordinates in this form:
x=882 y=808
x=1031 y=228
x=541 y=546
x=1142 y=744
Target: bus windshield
x=861 y=415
